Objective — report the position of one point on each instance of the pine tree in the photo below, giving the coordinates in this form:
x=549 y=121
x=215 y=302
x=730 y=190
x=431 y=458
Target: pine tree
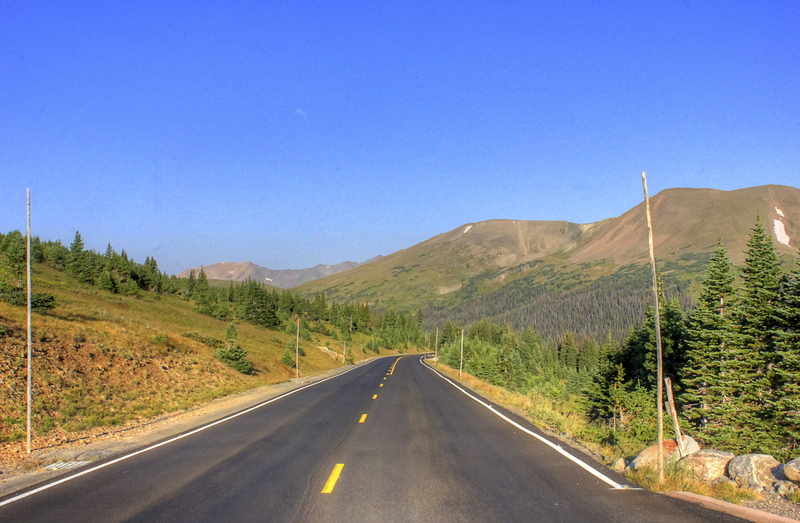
x=786 y=371
x=107 y=282
x=755 y=355
x=14 y=261
x=708 y=401
x=78 y=263
x=604 y=394
x=589 y=356
x=287 y=358
x=231 y=333
x=569 y=352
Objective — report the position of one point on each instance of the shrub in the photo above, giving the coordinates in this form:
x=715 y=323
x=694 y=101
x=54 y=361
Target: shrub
x=205 y=339
x=287 y=358
x=40 y=302
x=235 y=358
x=290 y=347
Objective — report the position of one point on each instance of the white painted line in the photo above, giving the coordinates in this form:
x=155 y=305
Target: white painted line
x=557 y=448
x=176 y=438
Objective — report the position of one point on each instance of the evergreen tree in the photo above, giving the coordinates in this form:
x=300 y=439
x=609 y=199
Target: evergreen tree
x=288 y=358
x=231 y=333
x=107 y=282
x=589 y=356
x=203 y=298
x=755 y=355
x=569 y=352
x=14 y=262
x=708 y=401
x=78 y=262
x=786 y=371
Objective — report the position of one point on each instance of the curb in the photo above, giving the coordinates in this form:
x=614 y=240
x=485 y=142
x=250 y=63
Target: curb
x=751 y=514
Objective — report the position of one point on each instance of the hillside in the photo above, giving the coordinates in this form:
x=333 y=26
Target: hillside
x=106 y=359
x=282 y=279
x=520 y=271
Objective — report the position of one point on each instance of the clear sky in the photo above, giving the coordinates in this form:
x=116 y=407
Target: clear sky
x=296 y=133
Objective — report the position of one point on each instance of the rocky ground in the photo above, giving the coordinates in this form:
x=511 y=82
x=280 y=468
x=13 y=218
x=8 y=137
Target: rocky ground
x=775 y=504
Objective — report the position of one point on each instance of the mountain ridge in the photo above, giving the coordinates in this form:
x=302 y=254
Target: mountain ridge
x=281 y=278
x=489 y=254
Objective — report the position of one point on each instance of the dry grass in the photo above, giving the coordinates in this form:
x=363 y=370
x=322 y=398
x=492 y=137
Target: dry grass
x=101 y=359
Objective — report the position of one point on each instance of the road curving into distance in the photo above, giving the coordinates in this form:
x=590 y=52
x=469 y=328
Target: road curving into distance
x=391 y=440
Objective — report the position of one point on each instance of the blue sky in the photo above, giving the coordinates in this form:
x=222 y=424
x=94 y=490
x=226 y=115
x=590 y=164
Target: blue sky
x=297 y=133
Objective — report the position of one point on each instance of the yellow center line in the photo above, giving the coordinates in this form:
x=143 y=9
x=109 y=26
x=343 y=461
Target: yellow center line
x=384 y=378
x=363 y=418
x=333 y=479
x=374 y=396
x=381 y=384
x=391 y=371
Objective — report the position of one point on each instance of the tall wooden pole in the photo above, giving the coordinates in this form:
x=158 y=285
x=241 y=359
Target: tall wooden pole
x=30 y=351
x=436 y=348
x=660 y=378
x=461 y=365
x=297 y=350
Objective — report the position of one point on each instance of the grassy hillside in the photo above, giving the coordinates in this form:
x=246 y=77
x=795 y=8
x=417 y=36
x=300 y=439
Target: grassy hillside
x=101 y=358
x=591 y=279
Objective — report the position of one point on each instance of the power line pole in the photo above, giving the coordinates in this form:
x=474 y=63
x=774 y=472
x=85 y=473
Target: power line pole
x=660 y=378
x=30 y=351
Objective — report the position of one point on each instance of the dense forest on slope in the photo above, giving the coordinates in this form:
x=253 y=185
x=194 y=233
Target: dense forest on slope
x=733 y=361
x=553 y=303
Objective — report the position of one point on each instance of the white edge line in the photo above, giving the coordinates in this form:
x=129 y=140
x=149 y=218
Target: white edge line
x=555 y=447
x=171 y=440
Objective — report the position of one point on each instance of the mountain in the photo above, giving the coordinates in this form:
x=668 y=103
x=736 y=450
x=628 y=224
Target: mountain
x=277 y=278
x=499 y=268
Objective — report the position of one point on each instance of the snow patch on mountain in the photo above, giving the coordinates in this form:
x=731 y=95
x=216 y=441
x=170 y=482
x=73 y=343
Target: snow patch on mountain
x=780 y=212
x=780 y=233
x=467 y=228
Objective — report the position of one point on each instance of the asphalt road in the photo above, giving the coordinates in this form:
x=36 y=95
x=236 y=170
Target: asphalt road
x=408 y=445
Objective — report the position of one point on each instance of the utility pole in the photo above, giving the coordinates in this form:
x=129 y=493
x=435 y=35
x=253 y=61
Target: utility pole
x=660 y=378
x=297 y=350
x=30 y=351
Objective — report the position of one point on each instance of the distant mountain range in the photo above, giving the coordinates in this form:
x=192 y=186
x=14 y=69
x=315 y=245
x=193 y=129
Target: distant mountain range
x=591 y=278
x=283 y=279
x=500 y=268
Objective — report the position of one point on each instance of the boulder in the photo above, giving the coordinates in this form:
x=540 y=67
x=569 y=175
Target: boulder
x=707 y=465
x=649 y=456
x=755 y=471
x=792 y=470
x=619 y=464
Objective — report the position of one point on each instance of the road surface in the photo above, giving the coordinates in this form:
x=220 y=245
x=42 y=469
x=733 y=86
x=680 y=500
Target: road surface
x=391 y=440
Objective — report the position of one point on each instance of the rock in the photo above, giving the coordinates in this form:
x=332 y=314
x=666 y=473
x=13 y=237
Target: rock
x=649 y=456
x=721 y=480
x=707 y=465
x=619 y=464
x=755 y=471
x=792 y=470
